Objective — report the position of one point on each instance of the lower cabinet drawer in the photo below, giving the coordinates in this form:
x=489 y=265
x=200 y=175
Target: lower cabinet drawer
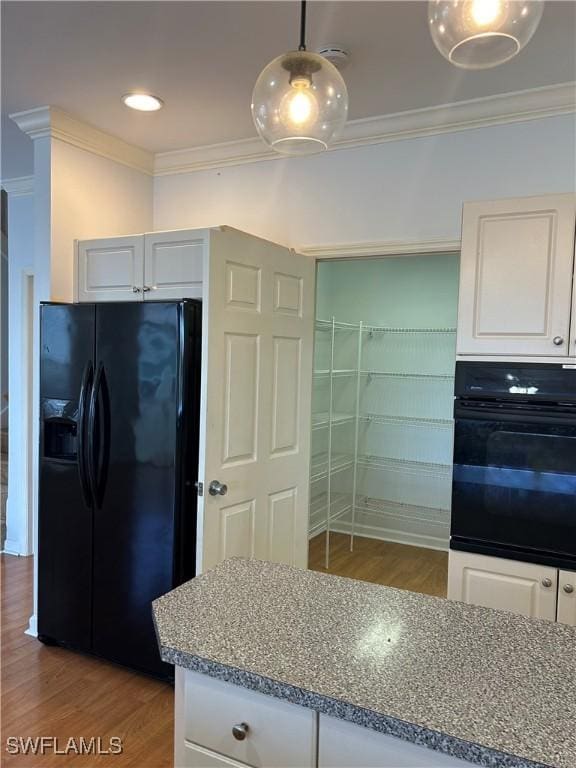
x=194 y=756
x=344 y=745
x=277 y=734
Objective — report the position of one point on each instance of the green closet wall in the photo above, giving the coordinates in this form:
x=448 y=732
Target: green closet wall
x=401 y=291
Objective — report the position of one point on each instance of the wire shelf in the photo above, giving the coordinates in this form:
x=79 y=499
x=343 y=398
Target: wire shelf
x=419 y=376
x=335 y=373
x=371 y=461
x=326 y=325
x=339 y=462
x=409 y=421
x=371 y=329
x=386 y=464
x=320 y=420
x=412 y=512
x=341 y=504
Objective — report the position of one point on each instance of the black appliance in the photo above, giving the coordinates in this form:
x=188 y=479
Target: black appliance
x=119 y=410
x=514 y=484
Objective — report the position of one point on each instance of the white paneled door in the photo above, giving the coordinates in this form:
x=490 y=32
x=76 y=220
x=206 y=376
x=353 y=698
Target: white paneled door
x=258 y=339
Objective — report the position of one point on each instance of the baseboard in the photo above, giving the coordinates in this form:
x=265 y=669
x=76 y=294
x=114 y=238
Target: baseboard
x=32 y=627
x=387 y=534
x=13 y=547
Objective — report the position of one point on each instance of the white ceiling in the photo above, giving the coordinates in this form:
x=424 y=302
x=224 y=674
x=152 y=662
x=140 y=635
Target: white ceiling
x=203 y=58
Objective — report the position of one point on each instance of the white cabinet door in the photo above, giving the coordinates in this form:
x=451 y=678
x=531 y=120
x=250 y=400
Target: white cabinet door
x=567 y=598
x=344 y=745
x=516 y=276
x=256 y=393
x=110 y=269
x=173 y=263
x=510 y=585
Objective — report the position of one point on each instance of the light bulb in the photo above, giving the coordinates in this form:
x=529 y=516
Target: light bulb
x=299 y=108
x=485 y=12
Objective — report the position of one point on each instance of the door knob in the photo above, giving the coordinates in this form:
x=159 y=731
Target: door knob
x=217 y=488
x=558 y=341
x=240 y=731
x=568 y=588
x=546 y=582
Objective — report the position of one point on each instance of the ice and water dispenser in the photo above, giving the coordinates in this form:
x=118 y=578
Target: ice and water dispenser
x=60 y=429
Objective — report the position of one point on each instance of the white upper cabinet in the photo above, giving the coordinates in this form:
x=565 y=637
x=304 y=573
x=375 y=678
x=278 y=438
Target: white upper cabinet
x=157 y=265
x=516 y=277
x=110 y=269
x=173 y=264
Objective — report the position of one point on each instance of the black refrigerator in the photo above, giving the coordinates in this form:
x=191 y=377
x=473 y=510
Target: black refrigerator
x=119 y=414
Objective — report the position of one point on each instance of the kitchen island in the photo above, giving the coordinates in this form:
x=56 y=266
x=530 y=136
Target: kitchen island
x=277 y=666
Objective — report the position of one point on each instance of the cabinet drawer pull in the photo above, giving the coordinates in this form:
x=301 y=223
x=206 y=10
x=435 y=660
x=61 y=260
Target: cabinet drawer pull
x=135 y=289
x=240 y=731
x=146 y=289
x=568 y=588
x=558 y=341
x=547 y=582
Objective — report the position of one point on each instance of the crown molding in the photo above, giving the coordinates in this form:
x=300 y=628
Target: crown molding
x=517 y=106
x=19 y=186
x=379 y=248
x=51 y=121
x=209 y=156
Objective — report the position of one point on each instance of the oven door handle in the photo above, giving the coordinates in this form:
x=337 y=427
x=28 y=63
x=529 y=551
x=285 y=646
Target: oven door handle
x=525 y=416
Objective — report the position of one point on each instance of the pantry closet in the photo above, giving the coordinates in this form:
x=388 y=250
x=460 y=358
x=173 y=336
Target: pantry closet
x=382 y=399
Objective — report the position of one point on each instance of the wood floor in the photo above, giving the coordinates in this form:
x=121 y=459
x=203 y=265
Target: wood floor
x=382 y=562
x=49 y=691
x=52 y=692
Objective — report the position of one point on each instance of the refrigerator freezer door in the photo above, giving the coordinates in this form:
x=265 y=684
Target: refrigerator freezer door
x=136 y=418
x=65 y=514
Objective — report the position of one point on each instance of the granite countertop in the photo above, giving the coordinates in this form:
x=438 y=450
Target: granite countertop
x=486 y=686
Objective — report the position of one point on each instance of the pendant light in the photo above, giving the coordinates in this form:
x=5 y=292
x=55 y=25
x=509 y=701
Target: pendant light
x=478 y=34
x=300 y=101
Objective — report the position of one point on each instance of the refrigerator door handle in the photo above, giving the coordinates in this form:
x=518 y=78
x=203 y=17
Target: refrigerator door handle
x=92 y=415
x=87 y=378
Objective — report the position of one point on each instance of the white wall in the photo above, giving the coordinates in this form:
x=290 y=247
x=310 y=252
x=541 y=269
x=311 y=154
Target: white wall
x=21 y=261
x=4 y=326
x=91 y=197
x=403 y=190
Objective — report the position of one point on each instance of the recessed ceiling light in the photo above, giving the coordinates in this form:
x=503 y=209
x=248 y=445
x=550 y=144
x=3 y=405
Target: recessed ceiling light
x=144 y=102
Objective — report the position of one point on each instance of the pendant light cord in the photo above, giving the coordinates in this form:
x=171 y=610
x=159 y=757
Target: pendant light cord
x=302 y=46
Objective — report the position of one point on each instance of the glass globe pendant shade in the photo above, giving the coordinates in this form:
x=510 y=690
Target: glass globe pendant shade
x=478 y=34
x=299 y=103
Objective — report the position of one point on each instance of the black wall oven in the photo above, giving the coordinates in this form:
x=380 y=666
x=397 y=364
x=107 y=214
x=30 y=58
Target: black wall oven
x=514 y=484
